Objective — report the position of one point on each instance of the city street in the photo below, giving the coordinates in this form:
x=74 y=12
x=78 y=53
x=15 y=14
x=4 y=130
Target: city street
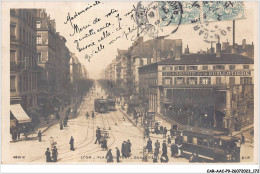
x=83 y=131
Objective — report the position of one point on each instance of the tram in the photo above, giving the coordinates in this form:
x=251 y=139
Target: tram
x=111 y=104
x=210 y=145
x=101 y=105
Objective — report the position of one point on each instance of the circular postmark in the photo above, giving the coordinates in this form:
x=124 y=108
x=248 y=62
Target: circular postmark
x=211 y=32
x=154 y=16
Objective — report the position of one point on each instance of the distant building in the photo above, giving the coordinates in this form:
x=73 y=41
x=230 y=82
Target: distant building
x=244 y=49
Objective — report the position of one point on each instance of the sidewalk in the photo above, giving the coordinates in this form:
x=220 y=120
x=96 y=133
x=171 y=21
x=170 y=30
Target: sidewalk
x=43 y=126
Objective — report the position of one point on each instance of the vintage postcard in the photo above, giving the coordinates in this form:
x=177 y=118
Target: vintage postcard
x=159 y=82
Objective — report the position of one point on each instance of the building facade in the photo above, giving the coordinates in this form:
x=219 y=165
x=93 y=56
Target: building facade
x=200 y=89
x=23 y=62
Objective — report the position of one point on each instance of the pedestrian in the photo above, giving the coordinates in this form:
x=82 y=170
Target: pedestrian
x=54 y=154
x=18 y=133
x=164 y=147
x=65 y=122
x=147 y=132
x=157 y=145
x=117 y=155
x=164 y=132
x=149 y=145
x=87 y=115
x=123 y=149
x=48 y=155
x=171 y=132
x=242 y=139
x=169 y=140
x=173 y=149
x=14 y=135
x=109 y=156
x=129 y=145
x=104 y=144
x=156 y=128
x=61 y=125
x=161 y=129
x=40 y=135
x=72 y=143
x=98 y=135
x=93 y=115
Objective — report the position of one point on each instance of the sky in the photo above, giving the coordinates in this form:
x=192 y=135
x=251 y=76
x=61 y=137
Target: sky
x=244 y=30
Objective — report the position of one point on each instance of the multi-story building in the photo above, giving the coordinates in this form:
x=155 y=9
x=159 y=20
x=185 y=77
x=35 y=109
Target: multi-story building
x=46 y=54
x=200 y=89
x=53 y=62
x=23 y=62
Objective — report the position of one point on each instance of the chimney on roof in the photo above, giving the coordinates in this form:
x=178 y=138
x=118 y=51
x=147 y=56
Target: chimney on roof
x=233 y=48
x=187 y=50
x=218 y=49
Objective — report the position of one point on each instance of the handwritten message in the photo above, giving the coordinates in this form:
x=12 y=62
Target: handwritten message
x=92 y=35
x=97 y=26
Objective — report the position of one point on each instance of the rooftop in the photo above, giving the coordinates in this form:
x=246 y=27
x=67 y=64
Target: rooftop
x=200 y=59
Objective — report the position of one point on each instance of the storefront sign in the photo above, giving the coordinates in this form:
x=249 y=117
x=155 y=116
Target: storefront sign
x=207 y=73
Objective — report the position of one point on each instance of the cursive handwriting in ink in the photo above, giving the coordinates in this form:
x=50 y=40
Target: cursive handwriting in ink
x=85 y=47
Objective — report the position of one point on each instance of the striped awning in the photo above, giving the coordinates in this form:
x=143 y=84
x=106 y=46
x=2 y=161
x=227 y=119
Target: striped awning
x=20 y=114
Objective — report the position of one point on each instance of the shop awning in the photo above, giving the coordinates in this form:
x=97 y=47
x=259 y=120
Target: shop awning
x=20 y=114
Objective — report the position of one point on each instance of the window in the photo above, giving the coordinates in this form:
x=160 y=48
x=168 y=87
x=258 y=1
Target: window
x=12 y=30
x=192 y=68
x=12 y=55
x=179 y=80
x=205 y=80
x=167 y=81
x=179 y=68
x=39 y=39
x=245 y=80
x=245 y=66
x=192 y=80
x=231 y=80
x=12 y=84
x=219 y=67
x=218 y=81
x=167 y=68
x=232 y=67
x=39 y=56
x=38 y=24
x=205 y=67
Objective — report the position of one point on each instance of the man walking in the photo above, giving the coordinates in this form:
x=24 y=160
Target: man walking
x=242 y=139
x=164 y=148
x=72 y=143
x=157 y=146
x=117 y=155
x=149 y=145
x=98 y=135
x=164 y=132
x=40 y=135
